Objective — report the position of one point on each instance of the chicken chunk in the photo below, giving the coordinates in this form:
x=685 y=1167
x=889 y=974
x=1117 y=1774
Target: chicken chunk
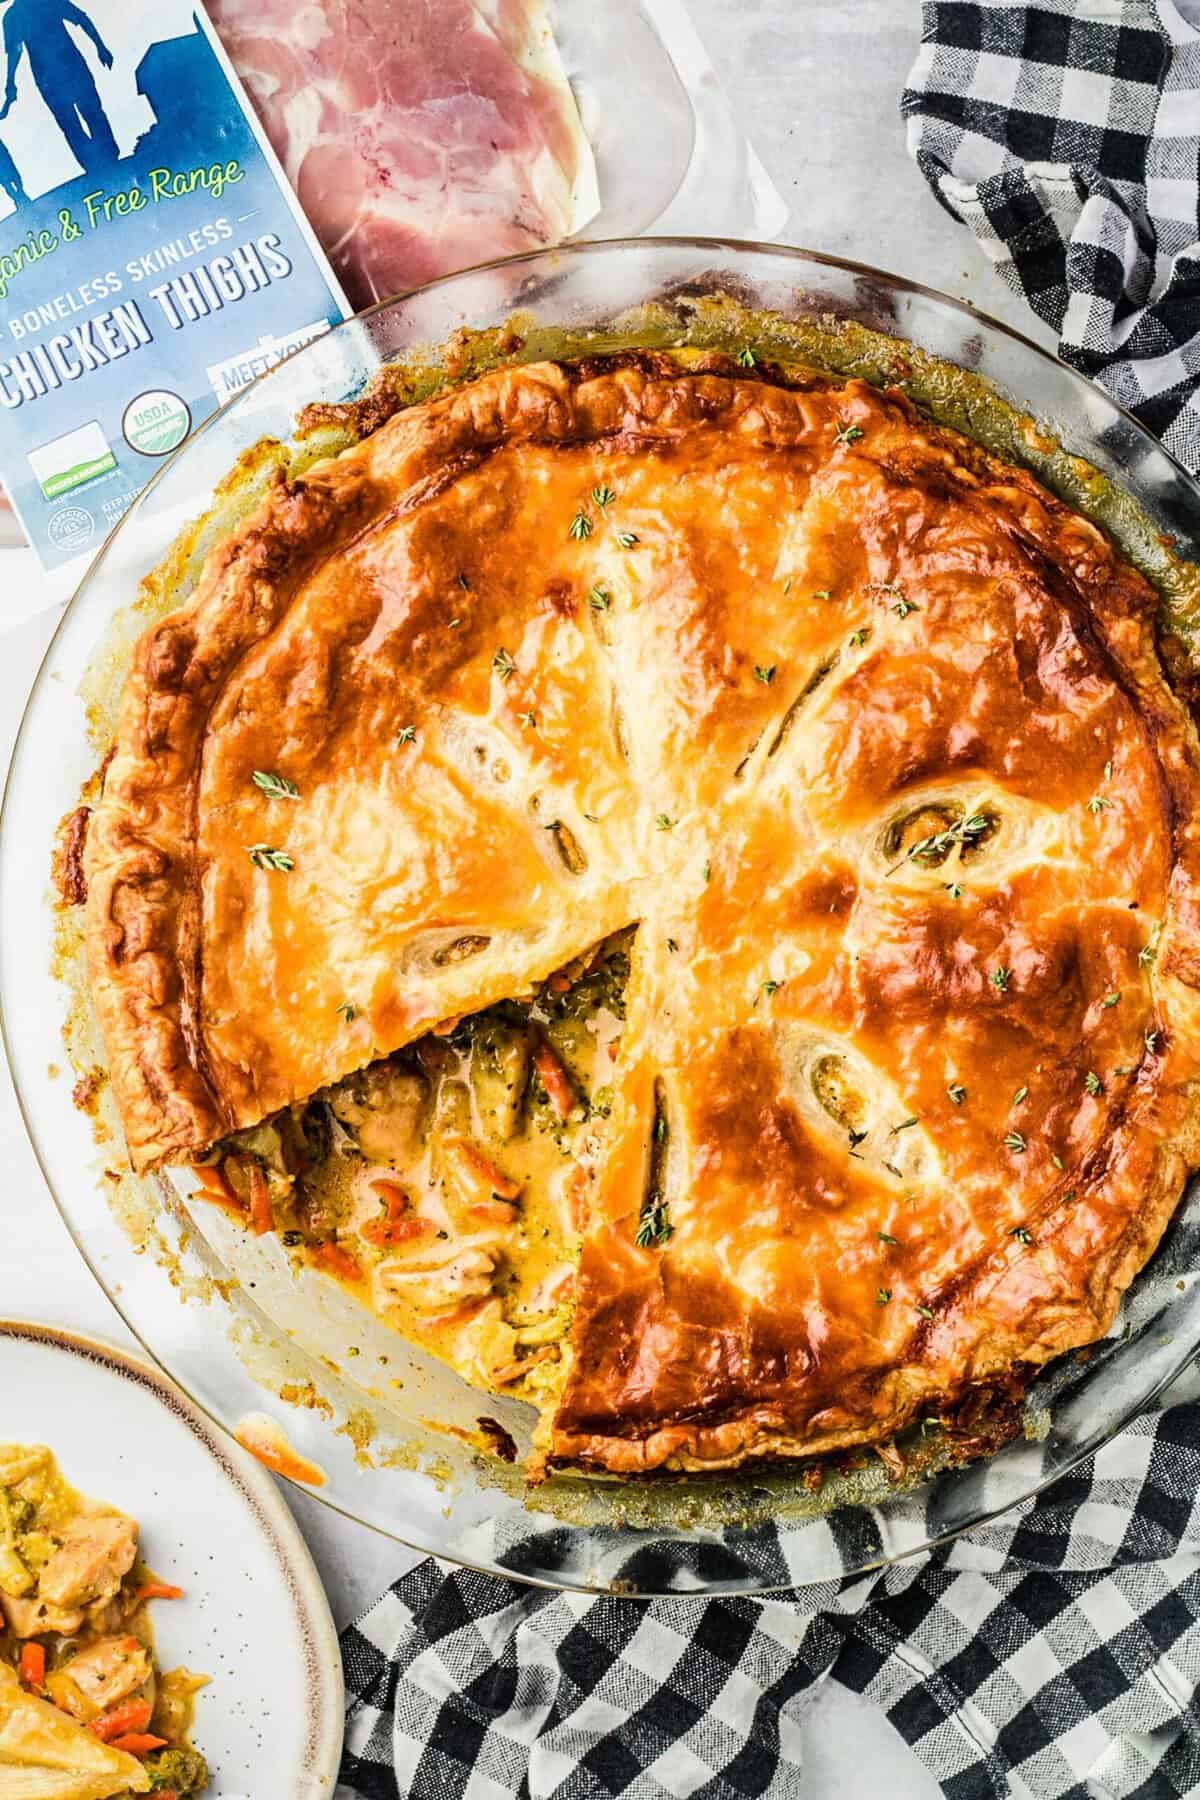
x=95 y=1554
x=29 y=1615
x=96 y=1678
x=384 y=1106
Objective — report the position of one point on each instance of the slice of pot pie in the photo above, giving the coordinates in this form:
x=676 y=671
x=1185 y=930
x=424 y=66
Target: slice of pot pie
x=679 y=884
x=85 y=1711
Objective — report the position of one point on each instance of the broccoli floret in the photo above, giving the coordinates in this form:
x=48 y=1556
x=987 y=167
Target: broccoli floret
x=180 y=1770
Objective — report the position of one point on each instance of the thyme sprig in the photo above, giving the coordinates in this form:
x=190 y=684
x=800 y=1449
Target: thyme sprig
x=938 y=844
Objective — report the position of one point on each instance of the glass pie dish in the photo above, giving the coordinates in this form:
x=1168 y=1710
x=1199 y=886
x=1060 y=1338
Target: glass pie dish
x=388 y=1435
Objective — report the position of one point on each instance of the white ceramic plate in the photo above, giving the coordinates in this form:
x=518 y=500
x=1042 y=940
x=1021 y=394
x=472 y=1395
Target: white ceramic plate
x=254 y=1615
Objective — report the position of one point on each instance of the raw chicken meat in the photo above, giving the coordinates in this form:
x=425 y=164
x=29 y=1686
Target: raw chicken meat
x=421 y=135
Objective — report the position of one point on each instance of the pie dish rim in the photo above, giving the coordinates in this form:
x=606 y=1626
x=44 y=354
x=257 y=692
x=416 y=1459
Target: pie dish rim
x=800 y=255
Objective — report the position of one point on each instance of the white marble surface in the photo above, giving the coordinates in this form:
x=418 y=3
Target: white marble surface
x=817 y=83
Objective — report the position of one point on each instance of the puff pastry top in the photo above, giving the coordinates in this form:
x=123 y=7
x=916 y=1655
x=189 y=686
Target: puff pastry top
x=574 y=647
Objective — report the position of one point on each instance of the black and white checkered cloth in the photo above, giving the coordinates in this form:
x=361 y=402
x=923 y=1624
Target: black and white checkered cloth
x=1054 y=1653
x=1067 y=135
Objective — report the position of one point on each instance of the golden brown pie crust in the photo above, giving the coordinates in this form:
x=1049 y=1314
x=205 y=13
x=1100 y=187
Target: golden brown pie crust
x=793 y=617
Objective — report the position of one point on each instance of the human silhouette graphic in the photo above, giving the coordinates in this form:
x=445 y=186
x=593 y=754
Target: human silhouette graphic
x=10 y=177
x=37 y=29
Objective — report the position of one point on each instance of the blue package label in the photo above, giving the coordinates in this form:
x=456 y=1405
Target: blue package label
x=153 y=259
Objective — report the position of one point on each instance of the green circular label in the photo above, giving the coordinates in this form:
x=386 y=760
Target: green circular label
x=156 y=422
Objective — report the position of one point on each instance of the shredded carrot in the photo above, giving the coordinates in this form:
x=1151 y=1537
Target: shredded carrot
x=492 y=1212
x=169 y=1794
x=393 y=1196
x=264 y=1438
x=521 y=1366
x=398 y=1222
x=138 y=1743
x=395 y=1231
x=156 y=1590
x=32 y=1667
x=458 y=1315
x=131 y=1715
x=479 y=1166
x=262 y=1219
x=554 y=1079
x=578 y=1183
x=336 y=1261
x=215 y=1189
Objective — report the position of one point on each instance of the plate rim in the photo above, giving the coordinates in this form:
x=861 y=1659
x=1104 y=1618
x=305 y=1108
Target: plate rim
x=325 y=1709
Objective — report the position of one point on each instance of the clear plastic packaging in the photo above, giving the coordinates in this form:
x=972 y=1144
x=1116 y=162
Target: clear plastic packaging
x=670 y=154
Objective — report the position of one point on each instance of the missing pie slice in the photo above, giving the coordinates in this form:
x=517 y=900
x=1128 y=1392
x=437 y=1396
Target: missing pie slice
x=679 y=884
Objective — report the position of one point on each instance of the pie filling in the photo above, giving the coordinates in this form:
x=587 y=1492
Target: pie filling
x=445 y=1184
x=85 y=1711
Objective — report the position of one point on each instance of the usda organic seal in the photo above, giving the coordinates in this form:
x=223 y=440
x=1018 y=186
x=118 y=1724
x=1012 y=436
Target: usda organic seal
x=156 y=422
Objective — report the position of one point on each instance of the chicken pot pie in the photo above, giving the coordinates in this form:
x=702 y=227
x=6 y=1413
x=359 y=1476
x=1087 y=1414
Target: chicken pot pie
x=678 y=883
x=85 y=1712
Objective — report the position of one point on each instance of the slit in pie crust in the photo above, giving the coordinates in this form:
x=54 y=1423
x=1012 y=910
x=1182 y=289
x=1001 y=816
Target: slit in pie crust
x=851 y=741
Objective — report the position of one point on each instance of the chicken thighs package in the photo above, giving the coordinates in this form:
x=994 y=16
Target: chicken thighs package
x=185 y=197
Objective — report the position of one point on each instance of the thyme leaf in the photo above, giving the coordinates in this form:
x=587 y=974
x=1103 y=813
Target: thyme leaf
x=654 y=1225
x=937 y=845
x=274 y=785
x=267 y=856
